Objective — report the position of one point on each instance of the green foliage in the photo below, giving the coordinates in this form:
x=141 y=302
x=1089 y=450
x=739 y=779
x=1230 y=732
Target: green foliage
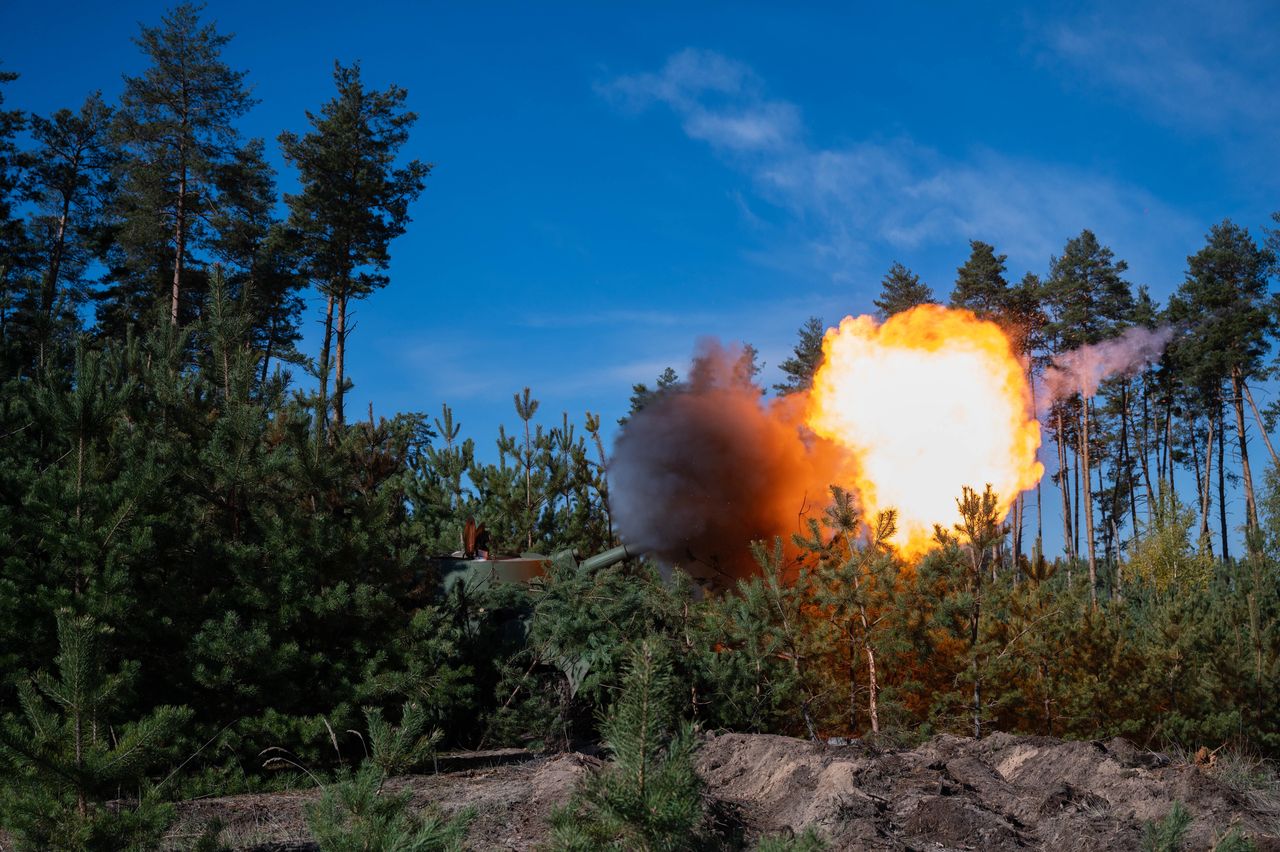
x=356 y=815
x=177 y=131
x=900 y=290
x=394 y=749
x=649 y=797
x=66 y=760
x=642 y=394
x=805 y=358
x=980 y=283
x=1086 y=295
x=1226 y=296
x=356 y=812
x=1234 y=841
x=807 y=841
x=1168 y=834
x=1163 y=556
x=753 y=682
x=579 y=631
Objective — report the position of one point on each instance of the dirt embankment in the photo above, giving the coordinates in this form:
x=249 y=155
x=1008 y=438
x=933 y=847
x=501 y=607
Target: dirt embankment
x=953 y=793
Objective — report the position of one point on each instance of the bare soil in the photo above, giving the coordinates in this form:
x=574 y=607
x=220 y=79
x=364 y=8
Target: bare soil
x=952 y=793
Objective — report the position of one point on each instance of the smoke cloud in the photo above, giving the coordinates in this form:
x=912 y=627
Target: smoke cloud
x=1082 y=370
x=708 y=466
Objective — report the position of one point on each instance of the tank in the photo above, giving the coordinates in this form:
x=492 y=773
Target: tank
x=480 y=570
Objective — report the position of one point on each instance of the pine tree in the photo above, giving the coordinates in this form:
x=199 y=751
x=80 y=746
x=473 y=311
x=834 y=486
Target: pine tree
x=354 y=201
x=852 y=586
x=900 y=290
x=12 y=233
x=981 y=529
x=69 y=760
x=357 y=814
x=1088 y=301
x=980 y=283
x=805 y=358
x=259 y=255
x=642 y=394
x=177 y=126
x=787 y=597
x=70 y=179
x=1226 y=298
x=650 y=797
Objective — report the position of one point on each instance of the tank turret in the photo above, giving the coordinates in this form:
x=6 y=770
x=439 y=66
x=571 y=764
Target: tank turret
x=480 y=569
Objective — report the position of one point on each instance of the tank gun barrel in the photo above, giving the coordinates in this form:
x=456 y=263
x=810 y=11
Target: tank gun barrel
x=604 y=560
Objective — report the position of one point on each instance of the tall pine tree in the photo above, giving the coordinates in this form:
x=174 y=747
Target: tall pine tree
x=1088 y=300
x=980 y=283
x=900 y=290
x=70 y=182
x=177 y=126
x=805 y=358
x=12 y=233
x=354 y=202
x=1226 y=301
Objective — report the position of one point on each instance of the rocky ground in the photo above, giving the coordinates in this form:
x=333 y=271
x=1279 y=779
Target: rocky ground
x=952 y=793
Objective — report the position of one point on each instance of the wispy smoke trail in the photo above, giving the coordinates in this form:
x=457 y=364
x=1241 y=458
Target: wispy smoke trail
x=708 y=466
x=1082 y=370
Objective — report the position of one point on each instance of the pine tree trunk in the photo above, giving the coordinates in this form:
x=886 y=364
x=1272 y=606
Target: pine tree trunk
x=322 y=407
x=1040 y=517
x=1262 y=429
x=1075 y=494
x=179 y=236
x=853 y=684
x=50 y=290
x=1087 y=497
x=1166 y=463
x=82 y=803
x=1208 y=482
x=339 y=373
x=1039 y=508
x=873 y=689
x=1128 y=459
x=1064 y=482
x=78 y=581
x=1250 y=502
x=973 y=646
x=1145 y=448
x=1017 y=534
x=267 y=352
x=1222 y=482
x=1107 y=523
x=872 y=686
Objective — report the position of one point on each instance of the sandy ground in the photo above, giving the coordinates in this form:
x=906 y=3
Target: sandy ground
x=952 y=793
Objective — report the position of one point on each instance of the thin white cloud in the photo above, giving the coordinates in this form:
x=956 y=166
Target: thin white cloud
x=720 y=100
x=845 y=202
x=615 y=319
x=1210 y=68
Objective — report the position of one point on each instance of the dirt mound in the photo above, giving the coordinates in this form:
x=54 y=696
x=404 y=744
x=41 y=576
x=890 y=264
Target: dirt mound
x=952 y=793
x=1002 y=792
x=511 y=802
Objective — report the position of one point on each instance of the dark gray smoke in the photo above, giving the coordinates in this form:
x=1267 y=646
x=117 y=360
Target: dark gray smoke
x=706 y=467
x=1082 y=370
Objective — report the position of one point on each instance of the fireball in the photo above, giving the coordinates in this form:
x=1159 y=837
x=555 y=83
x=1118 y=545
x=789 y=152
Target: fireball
x=932 y=400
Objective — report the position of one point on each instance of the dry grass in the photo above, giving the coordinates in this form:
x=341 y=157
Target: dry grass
x=1255 y=779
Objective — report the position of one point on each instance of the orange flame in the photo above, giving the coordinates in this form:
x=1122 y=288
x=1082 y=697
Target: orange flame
x=932 y=400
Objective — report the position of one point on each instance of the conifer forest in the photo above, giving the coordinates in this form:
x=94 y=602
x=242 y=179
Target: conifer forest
x=218 y=577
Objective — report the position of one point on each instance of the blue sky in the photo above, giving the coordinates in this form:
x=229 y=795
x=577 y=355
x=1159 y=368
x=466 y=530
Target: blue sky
x=613 y=182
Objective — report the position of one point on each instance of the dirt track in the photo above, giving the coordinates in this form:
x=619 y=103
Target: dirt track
x=1002 y=792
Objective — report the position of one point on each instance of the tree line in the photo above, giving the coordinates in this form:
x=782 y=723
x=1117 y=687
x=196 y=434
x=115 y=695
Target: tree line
x=1121 y=451
x=128 y=211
